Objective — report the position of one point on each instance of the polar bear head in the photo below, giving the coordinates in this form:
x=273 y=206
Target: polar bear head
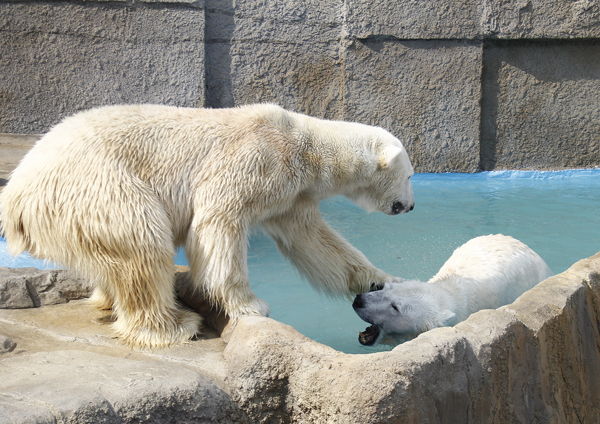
x=399 y=312
x=386 y=186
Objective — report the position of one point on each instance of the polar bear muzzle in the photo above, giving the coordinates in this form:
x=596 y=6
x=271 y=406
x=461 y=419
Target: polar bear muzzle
x=371 y=334
x=399 y=207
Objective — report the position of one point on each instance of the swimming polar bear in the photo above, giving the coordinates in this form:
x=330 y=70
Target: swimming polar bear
x=113 y=191
x=485 y=273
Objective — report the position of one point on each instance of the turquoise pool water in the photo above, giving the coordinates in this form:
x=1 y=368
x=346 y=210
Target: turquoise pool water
x=556 y=213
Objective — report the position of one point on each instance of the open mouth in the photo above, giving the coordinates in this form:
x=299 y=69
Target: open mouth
x=368 y=337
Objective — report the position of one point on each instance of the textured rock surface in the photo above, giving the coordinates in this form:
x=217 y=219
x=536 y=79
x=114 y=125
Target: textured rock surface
x=414 y=20
x=59 y=58
x=283 y=52
x=459 y=19
x=533 y=361
x=85 y=387
x=62 y=364
x=543 y=19
x=32 y=288
x=394 y=84
x=540 y=106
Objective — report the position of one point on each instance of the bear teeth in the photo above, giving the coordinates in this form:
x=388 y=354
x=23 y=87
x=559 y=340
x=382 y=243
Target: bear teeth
x=368 y=337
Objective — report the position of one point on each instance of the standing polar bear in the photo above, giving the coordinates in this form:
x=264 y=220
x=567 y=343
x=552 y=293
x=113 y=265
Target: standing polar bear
x=113 y=191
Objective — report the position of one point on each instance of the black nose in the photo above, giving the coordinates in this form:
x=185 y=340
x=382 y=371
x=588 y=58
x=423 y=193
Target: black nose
x=411 y=207
x=358 y=303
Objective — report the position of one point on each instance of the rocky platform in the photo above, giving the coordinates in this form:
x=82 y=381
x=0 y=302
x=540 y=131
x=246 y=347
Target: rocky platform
x=536 y=360
x=60 y=362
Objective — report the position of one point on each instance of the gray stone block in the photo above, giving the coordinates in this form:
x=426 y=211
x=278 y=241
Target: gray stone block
x=426 y=93
x=30 y=287
x=413 y=20
x=13 y=291
x=457 y=19
x=540 y=106
x=59 y=58
x=301 y=78
x=296 y=21
x=542 y=19
x=282 y=52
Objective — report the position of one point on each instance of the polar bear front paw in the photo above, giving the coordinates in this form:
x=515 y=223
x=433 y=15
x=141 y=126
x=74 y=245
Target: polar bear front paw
x=376 y=286
x=380 y=284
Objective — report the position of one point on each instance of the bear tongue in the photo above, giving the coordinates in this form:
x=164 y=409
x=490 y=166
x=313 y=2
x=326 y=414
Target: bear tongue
x=368 y=337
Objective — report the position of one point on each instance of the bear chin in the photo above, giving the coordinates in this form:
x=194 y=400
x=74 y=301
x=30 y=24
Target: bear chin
x=369 y=336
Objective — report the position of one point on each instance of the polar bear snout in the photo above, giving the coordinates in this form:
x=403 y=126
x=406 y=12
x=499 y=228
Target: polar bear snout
x=399 y=207
x=358 y=302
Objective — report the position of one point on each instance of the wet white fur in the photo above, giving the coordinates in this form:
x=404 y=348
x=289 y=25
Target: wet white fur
x=112 y=192
x=485 y=273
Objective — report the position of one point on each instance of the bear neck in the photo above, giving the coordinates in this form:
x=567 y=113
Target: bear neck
x=343 y=150
x=437 y=292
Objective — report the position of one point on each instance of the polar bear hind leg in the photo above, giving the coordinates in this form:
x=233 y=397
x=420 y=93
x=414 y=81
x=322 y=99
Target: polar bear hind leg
x=132 y=267
x=141 y=283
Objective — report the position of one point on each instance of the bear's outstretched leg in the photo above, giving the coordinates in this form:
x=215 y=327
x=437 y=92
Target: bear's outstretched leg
x=217 y=253
x=330 y=263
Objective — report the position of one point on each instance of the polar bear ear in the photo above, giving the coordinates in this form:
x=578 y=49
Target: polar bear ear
x=446 y=315
x=390 y=157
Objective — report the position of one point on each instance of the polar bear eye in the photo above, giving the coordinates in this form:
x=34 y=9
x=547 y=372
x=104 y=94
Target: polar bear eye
x=395 y=308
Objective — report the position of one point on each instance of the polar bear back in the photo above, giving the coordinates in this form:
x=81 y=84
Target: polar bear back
x=177 y=153
x=495 y=269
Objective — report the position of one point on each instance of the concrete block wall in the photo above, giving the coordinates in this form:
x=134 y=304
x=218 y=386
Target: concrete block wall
x=467 y=85
x=58 y=58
